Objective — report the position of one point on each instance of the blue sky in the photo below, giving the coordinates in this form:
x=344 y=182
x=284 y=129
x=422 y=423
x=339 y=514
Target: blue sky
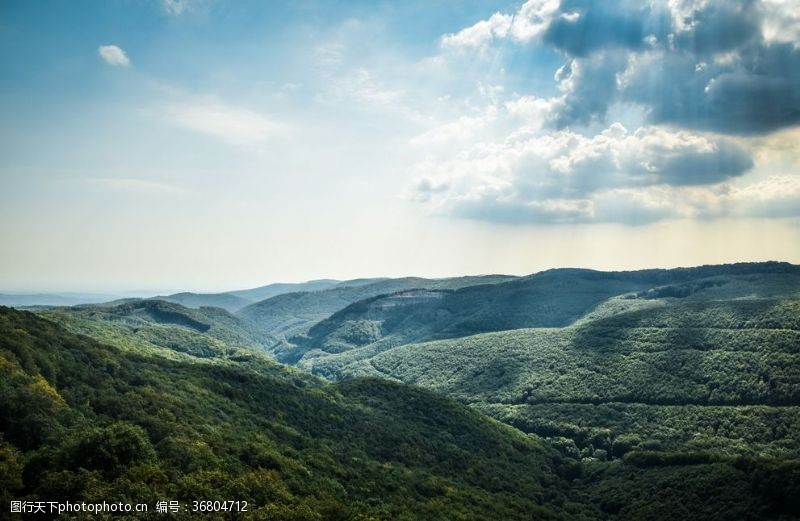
x=208 y=145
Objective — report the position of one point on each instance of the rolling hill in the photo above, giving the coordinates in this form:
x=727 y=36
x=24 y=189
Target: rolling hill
x=279 y=288
x=624 y=395
x=645 y=390
x=132 y=421
x=204 y=332
x=225 y=301
x=235 y=300
x=554 y=298
x=87 y=421
x=280 y=321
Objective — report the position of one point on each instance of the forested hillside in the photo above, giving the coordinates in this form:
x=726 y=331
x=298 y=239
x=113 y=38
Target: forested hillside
x=555 y=298
x=225 y=301
x=691 y=377
x=689 y=390
x=625 y=395
x=649 y=363
x=280 y=321
x=87 y=421
x=146 y=324
x=235 y=300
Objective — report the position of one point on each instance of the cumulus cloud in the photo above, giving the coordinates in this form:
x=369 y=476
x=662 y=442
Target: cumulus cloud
x=230 y=124
x=755 y=90
x=728 y=66
x=113 y=55
x=632 y=206
x=777 y=197
x=479 y=34
x=702 y=84
x=781 y=21
x=528 y=23
x=569 y=162
x=584 y=26
x=565 y=176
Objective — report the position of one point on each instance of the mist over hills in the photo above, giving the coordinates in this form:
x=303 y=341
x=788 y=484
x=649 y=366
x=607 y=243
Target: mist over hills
x=613 y=387
x=228 y=300
x=54 y=299
x=236 y=300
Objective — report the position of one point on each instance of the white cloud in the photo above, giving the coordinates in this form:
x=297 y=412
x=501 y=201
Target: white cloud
x=781 y=21
x=533 y=18
x=565 y=176
x=495 y=121
x=531 y=109
x=705 y=64
x=614 y=157
x=230 y=124
x=461 y=131
x=528 y=23
x=777 y=196
x=113 y=55
x=480 y=34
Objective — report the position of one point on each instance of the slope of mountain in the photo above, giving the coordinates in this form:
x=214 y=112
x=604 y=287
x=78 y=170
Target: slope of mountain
x=635 y=394
x=85 y=421
x=554 y=298
x=206 y=332
x=279 y=288
x=278 y=320
x=235 y=300
x=687 y=375
x=649 y=394
x=225 y=301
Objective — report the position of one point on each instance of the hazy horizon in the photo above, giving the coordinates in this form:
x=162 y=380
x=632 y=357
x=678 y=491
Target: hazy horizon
x=145 y=293
x=201 y=145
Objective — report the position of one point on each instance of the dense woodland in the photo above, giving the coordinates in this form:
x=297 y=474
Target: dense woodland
x=83 y=420
x=570 y=394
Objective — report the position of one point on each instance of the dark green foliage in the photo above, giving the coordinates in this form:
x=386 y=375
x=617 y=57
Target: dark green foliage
x=659 y=394
x=112 y=449
x=553 y=298
x=682 y=406
x=145 y=324
x=753 y=361
x=87 y=421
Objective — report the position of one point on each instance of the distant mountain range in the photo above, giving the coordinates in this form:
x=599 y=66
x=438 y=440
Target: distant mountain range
x=54 y=299
x=236 y=300
x=230 y=300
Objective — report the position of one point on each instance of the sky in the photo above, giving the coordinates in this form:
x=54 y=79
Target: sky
x=208 y=145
